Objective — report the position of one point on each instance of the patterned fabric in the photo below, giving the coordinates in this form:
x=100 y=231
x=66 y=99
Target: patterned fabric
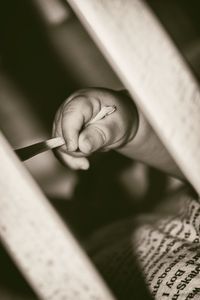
x=156 y=256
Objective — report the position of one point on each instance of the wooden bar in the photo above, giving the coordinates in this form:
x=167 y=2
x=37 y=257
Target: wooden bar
x=38 y=241
x=153 y=70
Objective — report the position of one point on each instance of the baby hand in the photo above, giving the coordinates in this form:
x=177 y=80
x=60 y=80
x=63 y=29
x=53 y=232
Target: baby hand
x=82 y=139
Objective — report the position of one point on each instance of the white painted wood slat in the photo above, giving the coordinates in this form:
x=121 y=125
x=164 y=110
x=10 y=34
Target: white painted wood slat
x=38 y=241
x=150 y=66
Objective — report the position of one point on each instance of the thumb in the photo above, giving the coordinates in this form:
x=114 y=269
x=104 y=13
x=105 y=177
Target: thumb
x=91 y=139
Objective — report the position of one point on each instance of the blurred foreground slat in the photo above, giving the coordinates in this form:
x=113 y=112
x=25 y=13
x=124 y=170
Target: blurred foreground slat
x=38 y=241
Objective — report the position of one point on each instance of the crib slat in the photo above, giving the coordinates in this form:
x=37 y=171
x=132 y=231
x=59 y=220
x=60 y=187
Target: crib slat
x=38 y=241
x=150 y=66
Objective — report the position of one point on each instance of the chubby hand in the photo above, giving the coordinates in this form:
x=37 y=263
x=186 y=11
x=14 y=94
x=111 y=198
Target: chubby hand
x=81 y=138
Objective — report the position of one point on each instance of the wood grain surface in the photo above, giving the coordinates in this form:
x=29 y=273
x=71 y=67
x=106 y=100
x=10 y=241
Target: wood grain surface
x=153 y=70
x=38 y=241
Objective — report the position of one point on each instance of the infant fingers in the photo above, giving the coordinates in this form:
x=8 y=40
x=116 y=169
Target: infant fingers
x=74 y=115
x=74 y=162
x=91 y=139
x=101 y=134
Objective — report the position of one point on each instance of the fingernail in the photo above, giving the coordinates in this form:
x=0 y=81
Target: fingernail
x=87 y=146
x=84 y=166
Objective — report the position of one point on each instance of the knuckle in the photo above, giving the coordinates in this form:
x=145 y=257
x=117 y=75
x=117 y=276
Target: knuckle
x=57 y=131
x=57 y=117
